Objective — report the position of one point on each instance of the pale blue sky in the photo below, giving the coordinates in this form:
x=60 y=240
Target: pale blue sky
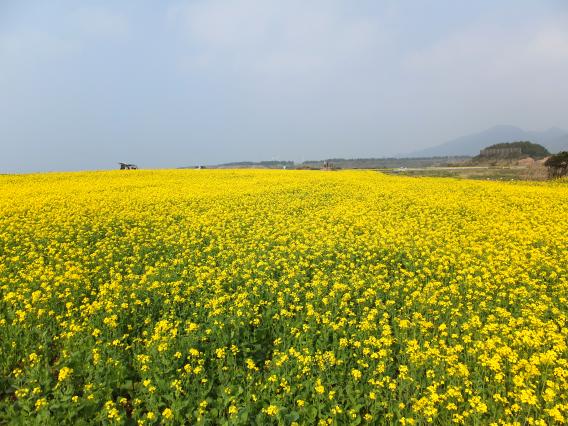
x=84 y=84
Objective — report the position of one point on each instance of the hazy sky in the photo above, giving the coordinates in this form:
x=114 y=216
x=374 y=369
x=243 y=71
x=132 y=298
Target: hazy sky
x=84 y=84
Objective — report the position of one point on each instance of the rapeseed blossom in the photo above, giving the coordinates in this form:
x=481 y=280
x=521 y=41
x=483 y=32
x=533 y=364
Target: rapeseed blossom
x=295 y=297
x=167 y=414
x=64 y=373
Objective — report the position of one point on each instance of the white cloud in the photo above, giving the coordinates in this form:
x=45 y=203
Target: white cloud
x=551 y=45
x=22 y=51
x=276 y=37
x=83 y=22
x=99 y=23
x=26 y=47
x=494 y=52
x=490 y=73
x=39 y=42
x=228 y=24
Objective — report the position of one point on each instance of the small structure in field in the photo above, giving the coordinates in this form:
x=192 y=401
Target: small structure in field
x=126 y=166
x=327 y=165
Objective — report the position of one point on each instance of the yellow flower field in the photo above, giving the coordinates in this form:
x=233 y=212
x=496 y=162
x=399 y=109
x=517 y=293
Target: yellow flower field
x=282 y=297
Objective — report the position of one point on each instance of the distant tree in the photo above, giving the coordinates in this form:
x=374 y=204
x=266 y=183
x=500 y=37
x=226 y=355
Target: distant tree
x=557 y=165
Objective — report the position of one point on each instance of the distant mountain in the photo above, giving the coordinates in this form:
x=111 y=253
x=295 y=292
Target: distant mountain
x=554 y=139
x=558 y=144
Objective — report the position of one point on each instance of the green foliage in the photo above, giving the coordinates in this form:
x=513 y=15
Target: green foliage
x=557 y=165
x=528 y=148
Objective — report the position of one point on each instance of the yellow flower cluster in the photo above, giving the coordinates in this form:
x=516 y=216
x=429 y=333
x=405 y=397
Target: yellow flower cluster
x=295 y=297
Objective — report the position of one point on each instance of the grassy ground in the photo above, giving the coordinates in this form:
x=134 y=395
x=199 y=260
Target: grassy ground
x=483 y=173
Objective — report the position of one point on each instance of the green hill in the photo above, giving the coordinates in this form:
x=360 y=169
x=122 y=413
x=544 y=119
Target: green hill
x=513 y=150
